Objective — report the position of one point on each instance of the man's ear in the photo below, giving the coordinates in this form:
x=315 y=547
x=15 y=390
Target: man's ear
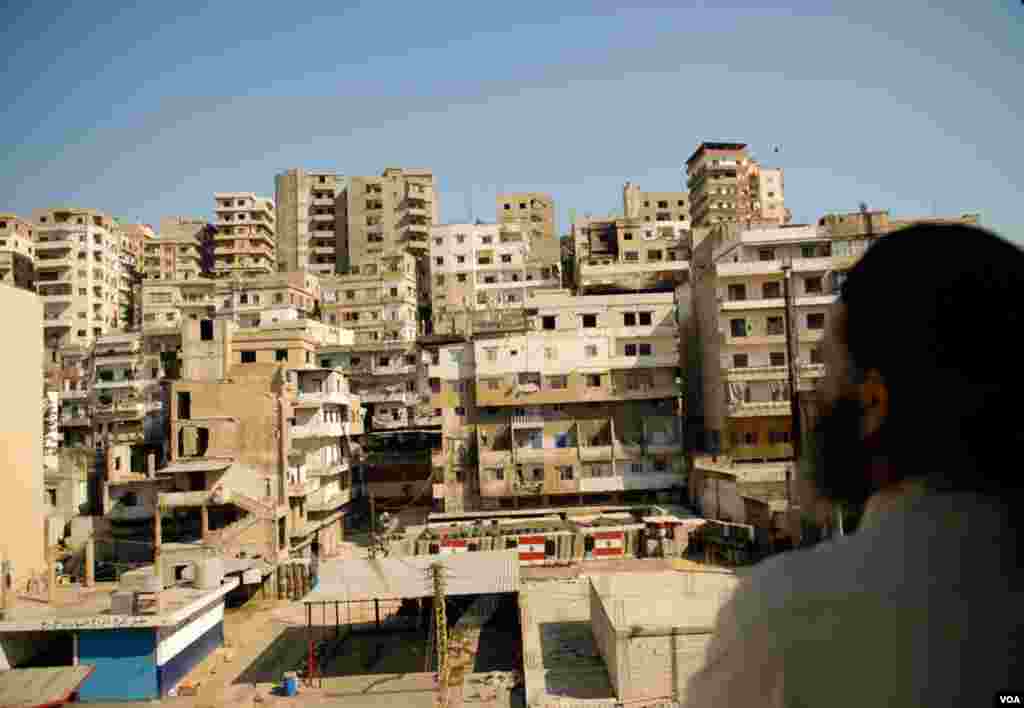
x=874 y=396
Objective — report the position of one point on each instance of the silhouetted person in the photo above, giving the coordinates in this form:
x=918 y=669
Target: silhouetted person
x=922 y=605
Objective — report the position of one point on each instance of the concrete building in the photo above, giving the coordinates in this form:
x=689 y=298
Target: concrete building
x=126 y=397
x=389 y=214
x=655 y=207
x=584 y=406
x=310 y=221
x=258 y=425
x=22 y=505
x=81 y=275
x=631 y=254
x=535 y=213
x=176 y=253
x=653 y=630
x=727 y=185
x=245 y=238
x=486 y=267
x=17 y=259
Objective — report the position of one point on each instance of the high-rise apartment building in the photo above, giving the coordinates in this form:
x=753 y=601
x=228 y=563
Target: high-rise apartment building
x=310 y=221
x=81 y=275
x=631 y=254
x=535 y=212
x=389 y=214
x=484 y=268
x=727 y=185
x=176 y=253
x=244 y=243
x=17 y=259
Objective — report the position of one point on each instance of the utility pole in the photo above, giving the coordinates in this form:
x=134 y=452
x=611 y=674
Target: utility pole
x=373 y=527
x=441 y=631
x=794 y=392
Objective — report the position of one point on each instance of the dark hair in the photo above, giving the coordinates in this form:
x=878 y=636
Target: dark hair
x=926 y=306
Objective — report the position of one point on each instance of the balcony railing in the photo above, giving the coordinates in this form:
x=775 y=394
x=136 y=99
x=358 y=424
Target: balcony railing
x=319 y=430
x=118 y=408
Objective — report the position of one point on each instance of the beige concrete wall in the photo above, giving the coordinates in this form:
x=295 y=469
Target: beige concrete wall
x=22 y=509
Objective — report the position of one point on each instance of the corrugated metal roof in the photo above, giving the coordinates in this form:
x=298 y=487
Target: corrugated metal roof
x=471 y=573
x=211 y=464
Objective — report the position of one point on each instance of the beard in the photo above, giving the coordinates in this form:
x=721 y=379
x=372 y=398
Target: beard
x=837 y=460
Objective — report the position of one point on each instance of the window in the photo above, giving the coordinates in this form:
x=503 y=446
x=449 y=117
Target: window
x=506 y=258
x=590 y=351
x=776 y=326
x=557 y=382
x=461 y=277
x=438 y=241
x=206 y=330
x=816 y=320
x=629 y=319
x=738 y=328
x=439 y=280
x=499 y=475
x=740 y=361
x=244 y=298
x=630 y=350
x=812 y=286
x=248 y=357
x=590 y=321
x=439 y=260
x=460 y=259
x=548 y=321
x=750 y=438
x=766 y=254
x=484 y=260
x=645 y=349
x=486 y=239
x=777 y=358
x=565 y=473
x=738 y=292
x=459 y=410
x=816 y=356
x=776 y=437
x=593 y=380
x=654 y=255
x=631 y=256
x=646 y=318
x=628 y=236
x=807 y=251
x=383 y=361
x=550 y=353
x=492 y=354
x=281 y=355
x=771 y=290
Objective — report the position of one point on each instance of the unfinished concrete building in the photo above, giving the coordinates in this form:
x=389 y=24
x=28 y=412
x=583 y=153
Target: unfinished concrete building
x=177 y=251
x=389 y=214
x=534 y=212
x=17 y=259
x=245 y=238
x=310 y=221
x=481 y=268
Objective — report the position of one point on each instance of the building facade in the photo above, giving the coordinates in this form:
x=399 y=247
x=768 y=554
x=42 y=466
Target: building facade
x=176 y=253
x=483 y=268
x=17 y=258
x=534 y=212
x=630 y=254
x=727 y=185
x=389 y=214
x=310 y=221
x=245 y=239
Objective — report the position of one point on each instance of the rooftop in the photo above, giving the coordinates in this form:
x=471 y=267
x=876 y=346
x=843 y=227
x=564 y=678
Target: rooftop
x=671 y=602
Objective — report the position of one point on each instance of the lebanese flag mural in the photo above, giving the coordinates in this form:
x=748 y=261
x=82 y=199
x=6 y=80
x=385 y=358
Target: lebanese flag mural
x=454 y=545
x=609 y=543
x=531 y=548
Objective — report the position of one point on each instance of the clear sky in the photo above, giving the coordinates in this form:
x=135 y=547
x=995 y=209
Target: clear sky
x=146 y=109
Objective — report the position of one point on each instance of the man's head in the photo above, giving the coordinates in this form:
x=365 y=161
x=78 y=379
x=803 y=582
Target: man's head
x=916 y=382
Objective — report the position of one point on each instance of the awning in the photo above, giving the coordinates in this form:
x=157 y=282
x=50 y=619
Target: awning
x=209 y=464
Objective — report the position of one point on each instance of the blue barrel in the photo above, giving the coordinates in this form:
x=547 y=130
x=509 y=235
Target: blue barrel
x=291 y=683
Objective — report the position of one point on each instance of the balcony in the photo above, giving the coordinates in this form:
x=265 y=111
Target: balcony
x=756 y=373
x=533 y=420
x=303 y=488
x=131 y=382
x=495 y=458
x=409 y=398
x=595 y=453
x=530 y=454
x=756 y=409
x=319 y=430
x=316 y=399
x=72 y=394
x=388 y=423
x=767 y=303
x=322 y=501
x=78 y=421
x=57 y=321
x=125 y=410
x=46 y=264
x=56 y=299
x=329 y=470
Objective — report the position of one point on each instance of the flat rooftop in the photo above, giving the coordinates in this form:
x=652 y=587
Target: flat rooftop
x=683 y=601
x=92 y=611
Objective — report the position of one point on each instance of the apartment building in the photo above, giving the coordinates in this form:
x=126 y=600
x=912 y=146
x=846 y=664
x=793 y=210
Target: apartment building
x=378 y=302
x=310 y=221
x=655 y=207
x=583 y=408
x=81 y=275
x=535 y=213
x=265 y=445
x=126 y=398
x=451 y=400
x=245 y=240
x=177 y=252
x=630 y=254
x=389 y=214
x=17 y=259
x=486 y=268
x=739 y=289
x=727 y=185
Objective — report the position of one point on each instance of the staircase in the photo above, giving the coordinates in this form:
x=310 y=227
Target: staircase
x=253 y=506
x=230 y=532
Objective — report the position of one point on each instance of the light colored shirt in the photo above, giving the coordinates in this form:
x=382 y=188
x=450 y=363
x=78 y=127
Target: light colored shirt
x=922 y=606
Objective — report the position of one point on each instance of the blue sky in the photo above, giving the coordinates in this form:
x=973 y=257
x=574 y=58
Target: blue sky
x=144 y=110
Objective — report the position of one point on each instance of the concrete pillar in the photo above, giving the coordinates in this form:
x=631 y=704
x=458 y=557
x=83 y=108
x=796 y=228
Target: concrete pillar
x=204 y=519
x=151 y=465
x=90 y=563
x=51 y=573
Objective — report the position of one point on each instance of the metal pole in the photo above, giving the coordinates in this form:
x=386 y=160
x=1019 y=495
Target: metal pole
x=794 y=401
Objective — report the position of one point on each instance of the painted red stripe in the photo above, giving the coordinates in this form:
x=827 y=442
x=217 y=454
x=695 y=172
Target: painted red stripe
x=607 y=551
x=531 y=539
x=531 y=556
x=609 y=534
x=450 y=543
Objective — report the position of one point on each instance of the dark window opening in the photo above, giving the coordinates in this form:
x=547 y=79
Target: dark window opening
x=184 y=405
x=206 y=330
x=248 y=357
x=281 y=355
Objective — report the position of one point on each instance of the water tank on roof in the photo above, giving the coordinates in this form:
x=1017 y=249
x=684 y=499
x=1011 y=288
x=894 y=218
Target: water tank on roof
x=209 y=573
